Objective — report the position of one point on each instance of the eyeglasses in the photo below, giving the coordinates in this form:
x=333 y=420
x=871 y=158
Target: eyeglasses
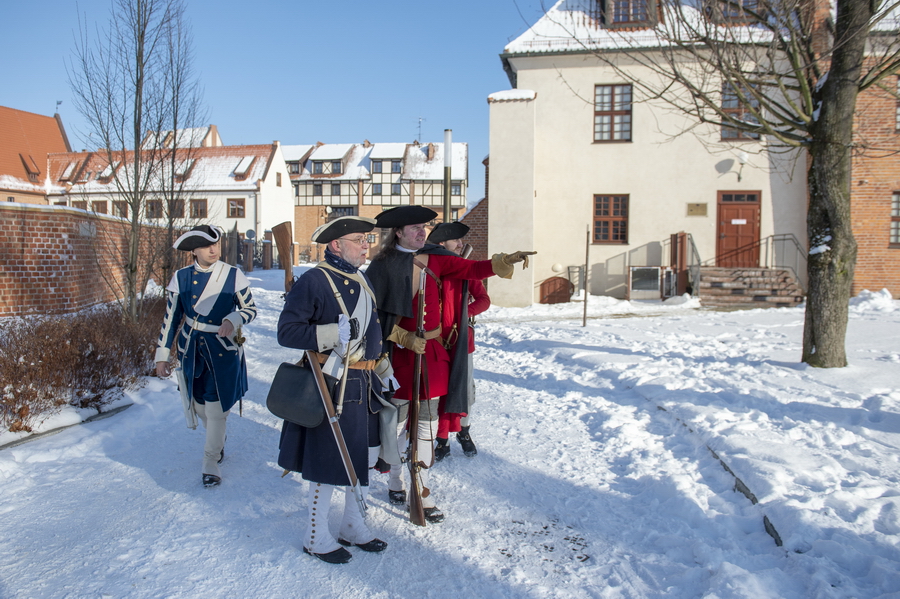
x=358 y=241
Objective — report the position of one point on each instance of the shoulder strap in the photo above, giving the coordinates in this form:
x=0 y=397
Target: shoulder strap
x=337 y=294
x=429 y=272
x=353 y=277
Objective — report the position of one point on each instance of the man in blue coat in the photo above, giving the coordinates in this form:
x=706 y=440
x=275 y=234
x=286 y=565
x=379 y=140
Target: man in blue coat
x=208 y=302
x=330 y=310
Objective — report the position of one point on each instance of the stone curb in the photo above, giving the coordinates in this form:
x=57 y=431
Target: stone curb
x=54 y=431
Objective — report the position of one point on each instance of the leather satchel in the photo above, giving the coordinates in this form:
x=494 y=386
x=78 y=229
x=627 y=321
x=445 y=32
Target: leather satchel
x=294 y=395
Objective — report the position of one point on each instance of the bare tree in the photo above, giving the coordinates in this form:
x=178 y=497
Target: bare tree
x=134 y=79
x=787 y=72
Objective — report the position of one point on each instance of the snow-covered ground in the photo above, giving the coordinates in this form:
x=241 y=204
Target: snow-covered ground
x=595 y=475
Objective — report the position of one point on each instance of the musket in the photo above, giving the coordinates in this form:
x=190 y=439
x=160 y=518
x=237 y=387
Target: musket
x=336 y=430
x=416 y=510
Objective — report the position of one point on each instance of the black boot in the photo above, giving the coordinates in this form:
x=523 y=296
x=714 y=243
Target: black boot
x=468 y=446
x=442 y=450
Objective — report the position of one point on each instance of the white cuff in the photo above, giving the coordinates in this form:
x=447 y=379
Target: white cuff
x=235 y=319
x=162 y=354
x=327 y=336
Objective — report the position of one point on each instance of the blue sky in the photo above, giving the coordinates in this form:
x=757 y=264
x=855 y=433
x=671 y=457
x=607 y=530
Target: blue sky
x=301 y=71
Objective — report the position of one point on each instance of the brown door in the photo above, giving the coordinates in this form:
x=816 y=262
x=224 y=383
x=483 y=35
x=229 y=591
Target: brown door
x=556 y=290
x=737 y=245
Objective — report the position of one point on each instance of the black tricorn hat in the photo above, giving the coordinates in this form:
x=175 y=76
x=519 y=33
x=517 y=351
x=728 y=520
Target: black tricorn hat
x=447 y=231
x=342 y=226
x=405 y=215
x=200 y=236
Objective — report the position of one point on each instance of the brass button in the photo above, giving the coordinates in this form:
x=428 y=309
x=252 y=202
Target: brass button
x=352 y=292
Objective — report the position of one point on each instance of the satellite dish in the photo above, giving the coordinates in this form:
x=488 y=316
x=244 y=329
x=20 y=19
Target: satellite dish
x=250 y=234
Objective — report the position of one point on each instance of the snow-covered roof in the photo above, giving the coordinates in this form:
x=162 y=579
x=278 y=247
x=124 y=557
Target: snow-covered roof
x=512 y=95
x=187 y=138
x=213 y=168
x=330 y=152
x=417 y=165
x=570 y=26
x=415 y=157
x=387 y=151
x=293 y=153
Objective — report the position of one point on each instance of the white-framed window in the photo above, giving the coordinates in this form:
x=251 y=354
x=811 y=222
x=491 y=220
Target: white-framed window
x=612 y=113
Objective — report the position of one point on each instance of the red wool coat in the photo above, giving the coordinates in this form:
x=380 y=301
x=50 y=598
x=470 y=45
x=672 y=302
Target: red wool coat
x=437 y=359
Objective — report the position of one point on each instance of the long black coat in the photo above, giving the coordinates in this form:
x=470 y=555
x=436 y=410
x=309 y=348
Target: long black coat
x=313 y=452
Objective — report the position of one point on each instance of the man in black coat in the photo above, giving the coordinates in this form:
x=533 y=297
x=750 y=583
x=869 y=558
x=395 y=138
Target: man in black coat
x=331 y=310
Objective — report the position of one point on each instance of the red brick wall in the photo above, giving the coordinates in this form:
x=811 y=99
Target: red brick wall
x=876 y=176
x=477 y=221
x=49 y=259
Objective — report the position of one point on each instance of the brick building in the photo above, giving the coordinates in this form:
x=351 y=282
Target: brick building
x=875 y=190
x=26 y=139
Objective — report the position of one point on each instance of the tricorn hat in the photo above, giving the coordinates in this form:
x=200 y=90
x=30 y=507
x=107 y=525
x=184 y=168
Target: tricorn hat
x=342 y=226
x=200 y=236
x=447 y=231
x=405 y=215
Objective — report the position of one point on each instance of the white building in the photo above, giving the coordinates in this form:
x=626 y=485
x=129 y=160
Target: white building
x=576 y=151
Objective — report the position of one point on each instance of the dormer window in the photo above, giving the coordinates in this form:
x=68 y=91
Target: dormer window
x=318 y=167
x=31 y=167
x=243 y=168
x=336 y=167
x=69 y=171
x=183 y=170
x=107 y=173
x=736 y=12
x=628 y=13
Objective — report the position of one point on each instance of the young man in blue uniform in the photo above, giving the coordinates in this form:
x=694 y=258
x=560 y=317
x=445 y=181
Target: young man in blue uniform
x=330 y=309
x=208 y=302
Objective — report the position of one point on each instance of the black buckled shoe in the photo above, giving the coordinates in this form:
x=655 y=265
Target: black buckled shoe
x=338 y=556
x=382 y=466
x=433 y=515
x=211 y=480
x=441 y=450
x=397 y=497
x=373 y=546
x=465 y=440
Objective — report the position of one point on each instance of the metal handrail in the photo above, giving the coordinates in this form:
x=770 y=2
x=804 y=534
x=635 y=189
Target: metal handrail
x=693 y=265
x=776 y=251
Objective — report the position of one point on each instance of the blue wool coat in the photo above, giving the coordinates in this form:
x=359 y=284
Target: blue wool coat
x=313 y=451
x=235 y=303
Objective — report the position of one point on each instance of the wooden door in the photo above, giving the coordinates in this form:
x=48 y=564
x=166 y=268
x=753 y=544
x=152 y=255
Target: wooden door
x=737 y=243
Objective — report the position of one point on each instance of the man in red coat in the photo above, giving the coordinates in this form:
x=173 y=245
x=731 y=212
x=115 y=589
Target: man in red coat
x=395 y=274
x=461 y=301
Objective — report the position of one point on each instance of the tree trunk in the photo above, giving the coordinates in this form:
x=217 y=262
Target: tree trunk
x=832 y=257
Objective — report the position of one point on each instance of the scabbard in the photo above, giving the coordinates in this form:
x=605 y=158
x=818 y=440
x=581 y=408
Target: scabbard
x=190 y=416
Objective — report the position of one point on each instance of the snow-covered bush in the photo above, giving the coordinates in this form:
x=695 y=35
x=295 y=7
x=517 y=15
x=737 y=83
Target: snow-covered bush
x=49 y=361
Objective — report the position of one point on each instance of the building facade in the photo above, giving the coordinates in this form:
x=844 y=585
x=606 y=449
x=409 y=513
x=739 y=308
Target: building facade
x=234 y=187
x=583 y=161
x=333 y=180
